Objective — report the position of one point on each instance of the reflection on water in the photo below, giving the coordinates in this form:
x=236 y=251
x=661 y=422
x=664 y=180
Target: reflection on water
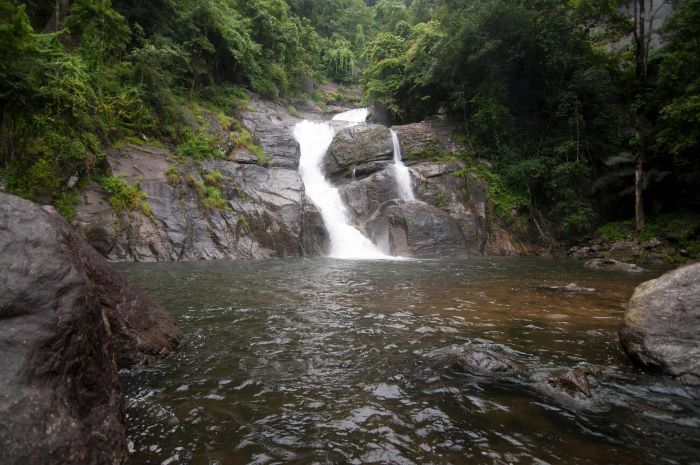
x=326 y=361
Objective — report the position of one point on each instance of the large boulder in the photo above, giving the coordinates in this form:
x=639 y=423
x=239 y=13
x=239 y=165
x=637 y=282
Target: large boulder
x=362 y=149
x=662 y=322
x=418 y=230
x=428 y=140
x=69 y=323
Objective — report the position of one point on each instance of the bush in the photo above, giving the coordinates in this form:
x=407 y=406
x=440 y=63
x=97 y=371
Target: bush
x=199 y=146
x=214 y=178
x=242 y=138
x=213 y=199
x=125 y=196
x=173 y=176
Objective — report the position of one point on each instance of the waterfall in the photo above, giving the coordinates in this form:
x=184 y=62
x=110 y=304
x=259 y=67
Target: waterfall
x=401 y=172
x=356 y=116
x=314 y=139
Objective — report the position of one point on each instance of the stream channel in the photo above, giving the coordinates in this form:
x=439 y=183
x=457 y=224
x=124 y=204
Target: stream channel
x=315 y=361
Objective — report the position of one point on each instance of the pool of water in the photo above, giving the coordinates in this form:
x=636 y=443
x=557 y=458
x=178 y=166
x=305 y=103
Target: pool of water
x=315 y=361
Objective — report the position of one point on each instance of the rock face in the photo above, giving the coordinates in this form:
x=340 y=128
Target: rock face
x=266 y=212
x=451 y=218
x=69 y=323
x=271 y=126
x=428 y=140
x=608 y=264
x=662 y=322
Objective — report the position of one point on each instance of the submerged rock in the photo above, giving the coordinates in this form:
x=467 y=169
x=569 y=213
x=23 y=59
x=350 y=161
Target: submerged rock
x=569 y=387
x=608 y=264
x=484 y=362
x=571 y=287
x=661 y=325
x=69 y=323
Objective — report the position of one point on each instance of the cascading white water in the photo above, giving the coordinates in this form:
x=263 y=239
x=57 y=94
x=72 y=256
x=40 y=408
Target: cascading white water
x=314 y=139
x=401 y=172
x=359 y=115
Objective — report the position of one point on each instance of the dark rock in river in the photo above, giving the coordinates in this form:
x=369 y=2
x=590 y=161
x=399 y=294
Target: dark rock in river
x=661 y=326
x=69 y=323
x=571 y=287
x=569 y=387
x=608 y=264
x=484 y=362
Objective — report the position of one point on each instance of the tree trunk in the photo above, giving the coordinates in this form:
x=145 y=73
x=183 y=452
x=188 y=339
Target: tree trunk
x=641 y=75
x=638 y=192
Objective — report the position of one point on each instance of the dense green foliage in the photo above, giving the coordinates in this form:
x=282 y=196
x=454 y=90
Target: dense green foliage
x=76 y=75
x=549 y=92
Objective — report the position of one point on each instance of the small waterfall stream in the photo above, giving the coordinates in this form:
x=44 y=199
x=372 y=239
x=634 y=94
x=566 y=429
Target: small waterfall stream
x=401 y=172
x=314 y=138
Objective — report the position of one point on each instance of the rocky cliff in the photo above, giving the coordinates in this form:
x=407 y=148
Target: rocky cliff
x=451 y=217
x=263 y=210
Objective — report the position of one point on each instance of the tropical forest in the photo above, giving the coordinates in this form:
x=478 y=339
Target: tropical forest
x=349 y=232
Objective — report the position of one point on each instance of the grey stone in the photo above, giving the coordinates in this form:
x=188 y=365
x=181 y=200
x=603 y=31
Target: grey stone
x=69 y=323
x=662 y=322
x=569 y=387
x=484 y=362
x=608 y=264
x=418 y=230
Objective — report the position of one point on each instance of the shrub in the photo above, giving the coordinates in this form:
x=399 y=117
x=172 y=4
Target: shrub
x=242 y=138
x=214 y=178
x=125 y=196
x=199 y=146
x=213 y=199
x=173 y=176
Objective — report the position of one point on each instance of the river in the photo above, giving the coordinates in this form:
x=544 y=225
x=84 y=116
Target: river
x=315 y=361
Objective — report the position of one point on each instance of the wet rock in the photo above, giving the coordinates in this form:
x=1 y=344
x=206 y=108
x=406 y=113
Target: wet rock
x=364 y=196
x=69 y=323
x=484 y=362
x=608 y=264
x=419 y=230
x=651 y=243
x=662 y=322
x=571 y=287
x=569 y=387
x=365 y=148
x=624 y=251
